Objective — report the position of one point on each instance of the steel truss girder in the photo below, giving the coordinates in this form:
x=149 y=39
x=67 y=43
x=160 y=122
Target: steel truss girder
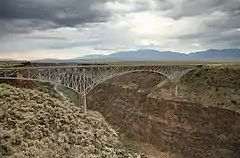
x=82 y=79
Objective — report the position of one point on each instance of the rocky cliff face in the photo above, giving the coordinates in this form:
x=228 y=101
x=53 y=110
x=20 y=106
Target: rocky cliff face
x=188 y=129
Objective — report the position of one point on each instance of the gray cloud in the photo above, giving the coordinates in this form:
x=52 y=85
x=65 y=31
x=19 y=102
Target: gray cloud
x=23 y=16
x=23 y=26
x=61 y=12
x=214 y=38
x=220 y=21
x=32 y=24
x=189 y=8
x=164 y=5
x=156 y=5
x=225 y=22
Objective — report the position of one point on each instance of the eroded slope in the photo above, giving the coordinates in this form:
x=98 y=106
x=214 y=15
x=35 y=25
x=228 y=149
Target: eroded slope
x=201 y=122
x=33 y=124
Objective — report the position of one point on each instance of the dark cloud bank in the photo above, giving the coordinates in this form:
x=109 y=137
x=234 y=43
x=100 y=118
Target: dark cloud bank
x=19 y=16
x=222 y=24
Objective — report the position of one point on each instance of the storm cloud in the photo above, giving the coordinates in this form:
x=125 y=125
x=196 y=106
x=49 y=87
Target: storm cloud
x=188 y=8
x=61 y=12
x=105 y=26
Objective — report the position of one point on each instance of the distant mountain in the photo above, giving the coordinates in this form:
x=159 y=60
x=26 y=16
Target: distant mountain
x=4 y=59
x=93 y=56
x=47 y=60
x=150 y=54
x=215 y=54
x=147 y=55
x=155 y=55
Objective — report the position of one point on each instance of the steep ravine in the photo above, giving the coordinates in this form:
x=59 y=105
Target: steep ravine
x=188 y=129
x=185 y=128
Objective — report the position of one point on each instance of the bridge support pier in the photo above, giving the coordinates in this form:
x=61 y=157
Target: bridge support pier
x=174 y=89
x=84 y=104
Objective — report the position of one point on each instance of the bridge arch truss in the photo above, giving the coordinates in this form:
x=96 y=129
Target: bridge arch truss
x=82 y=79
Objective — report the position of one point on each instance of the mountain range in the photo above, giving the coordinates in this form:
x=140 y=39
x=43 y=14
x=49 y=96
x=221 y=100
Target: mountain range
x=155 y=55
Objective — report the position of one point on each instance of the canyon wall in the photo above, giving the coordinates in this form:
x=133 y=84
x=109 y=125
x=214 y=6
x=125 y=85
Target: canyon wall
x=189 y=129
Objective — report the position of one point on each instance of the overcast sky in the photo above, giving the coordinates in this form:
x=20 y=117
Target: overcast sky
x=31 y=29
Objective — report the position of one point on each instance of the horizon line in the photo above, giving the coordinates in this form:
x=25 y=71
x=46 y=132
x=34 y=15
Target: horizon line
x=49 y=58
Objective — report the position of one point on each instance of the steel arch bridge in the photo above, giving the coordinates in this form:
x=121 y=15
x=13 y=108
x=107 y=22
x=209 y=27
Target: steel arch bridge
x=82 y=79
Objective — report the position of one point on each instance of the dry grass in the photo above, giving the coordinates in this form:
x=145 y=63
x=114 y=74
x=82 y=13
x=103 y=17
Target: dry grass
x=216 y=86
x=9 y=64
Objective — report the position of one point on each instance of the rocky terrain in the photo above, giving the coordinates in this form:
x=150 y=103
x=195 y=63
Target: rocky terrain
x=34 y=124
x=200 y=122
x=180 y=127
x=218 y=86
